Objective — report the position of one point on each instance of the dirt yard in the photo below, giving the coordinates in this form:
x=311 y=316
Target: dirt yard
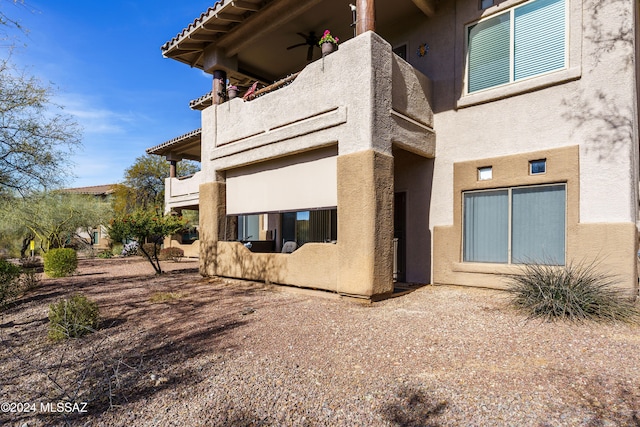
x=180 y=350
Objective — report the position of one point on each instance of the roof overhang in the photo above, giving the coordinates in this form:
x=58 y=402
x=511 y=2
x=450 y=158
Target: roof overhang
x=256 y=39
x=186 y=146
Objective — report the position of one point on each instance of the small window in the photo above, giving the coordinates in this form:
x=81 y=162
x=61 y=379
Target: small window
x=485 y=173
x=485 y=4
x=537 y=167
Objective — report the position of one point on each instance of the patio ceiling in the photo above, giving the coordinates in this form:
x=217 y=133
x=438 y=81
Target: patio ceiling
x=256 y=34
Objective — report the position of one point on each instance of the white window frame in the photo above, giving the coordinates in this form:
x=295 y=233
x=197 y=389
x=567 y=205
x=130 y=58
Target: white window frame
x=510 y=219
x=511 y=12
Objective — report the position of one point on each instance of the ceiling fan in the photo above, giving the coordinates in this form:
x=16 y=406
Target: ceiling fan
x=309 y=39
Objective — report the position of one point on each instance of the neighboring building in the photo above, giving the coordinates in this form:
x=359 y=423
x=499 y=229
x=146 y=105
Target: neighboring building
x=98 y=236
x=445 y=143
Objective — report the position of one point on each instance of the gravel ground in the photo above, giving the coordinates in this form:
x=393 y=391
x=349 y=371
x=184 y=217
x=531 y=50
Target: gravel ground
x=179 y=350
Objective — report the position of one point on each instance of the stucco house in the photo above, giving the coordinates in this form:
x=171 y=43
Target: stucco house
x=96 y=237
x=444 y=142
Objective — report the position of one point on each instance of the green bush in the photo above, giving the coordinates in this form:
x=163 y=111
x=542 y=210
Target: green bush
x=575 y=292
x=105 y=254
x=9 y=282
x=60 y=262
x=116 y=249
x=73 y=318
x=174 y=254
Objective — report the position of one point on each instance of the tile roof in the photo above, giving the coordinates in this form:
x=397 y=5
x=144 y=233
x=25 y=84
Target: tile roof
x=188 y=45
x=95 y=190
x=187 y=137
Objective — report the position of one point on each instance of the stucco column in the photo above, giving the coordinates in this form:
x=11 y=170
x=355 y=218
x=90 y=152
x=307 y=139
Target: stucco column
x=172 y=168
x=365 y=224
x=365 y=16
x=219 y=86
x=213 y=210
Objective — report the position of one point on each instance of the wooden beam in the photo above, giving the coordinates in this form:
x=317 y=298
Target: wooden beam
x=219 y=86
x=426 y=6
x=245 y=5
x=198 y=59
x=272 y=16
x=365 y=16
x=185 y=46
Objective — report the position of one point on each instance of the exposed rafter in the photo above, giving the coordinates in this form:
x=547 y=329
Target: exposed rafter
x=273 y=15
x=215 y=27
x=245 y=5
x=219 y=19
x=229 y=17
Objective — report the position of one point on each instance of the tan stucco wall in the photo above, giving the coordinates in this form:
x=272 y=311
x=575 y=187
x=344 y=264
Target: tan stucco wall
x=191 y=250
x=612 y=246
x=212 y=221
x=359 y=264
x=314 y=265
x=365 y=223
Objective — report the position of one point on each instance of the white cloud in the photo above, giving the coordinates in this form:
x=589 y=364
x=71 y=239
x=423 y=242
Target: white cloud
x=93 y=118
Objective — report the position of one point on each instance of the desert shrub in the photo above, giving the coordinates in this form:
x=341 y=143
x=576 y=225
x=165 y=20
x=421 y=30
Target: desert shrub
x=116 y=249
x=174 y=254
x=60 y=262
x=9 y=282
x=73 y=318
x=575 y=292
x=105 y=254
x=130 y=249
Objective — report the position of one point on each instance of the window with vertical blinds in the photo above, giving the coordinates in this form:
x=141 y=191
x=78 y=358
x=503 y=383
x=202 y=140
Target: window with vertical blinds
x=515 y=225
x=525 y=41
x=486 y=231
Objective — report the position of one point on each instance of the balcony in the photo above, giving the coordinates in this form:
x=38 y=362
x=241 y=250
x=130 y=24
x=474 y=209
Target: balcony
x=362 y=97
x=182 y=192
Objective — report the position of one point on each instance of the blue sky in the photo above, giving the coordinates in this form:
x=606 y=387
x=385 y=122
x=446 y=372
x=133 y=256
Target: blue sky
x=104 y=60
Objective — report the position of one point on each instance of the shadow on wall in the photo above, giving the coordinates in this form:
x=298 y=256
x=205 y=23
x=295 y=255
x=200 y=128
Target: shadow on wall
x=610 y=124
x=609 y=40
x=234 y=260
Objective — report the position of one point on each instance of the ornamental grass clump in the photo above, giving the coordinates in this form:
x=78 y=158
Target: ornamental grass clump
x=73 y=318
x=575 y=292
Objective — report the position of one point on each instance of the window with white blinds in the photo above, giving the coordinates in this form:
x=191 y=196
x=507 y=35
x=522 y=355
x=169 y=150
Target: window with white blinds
x=525 y=41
